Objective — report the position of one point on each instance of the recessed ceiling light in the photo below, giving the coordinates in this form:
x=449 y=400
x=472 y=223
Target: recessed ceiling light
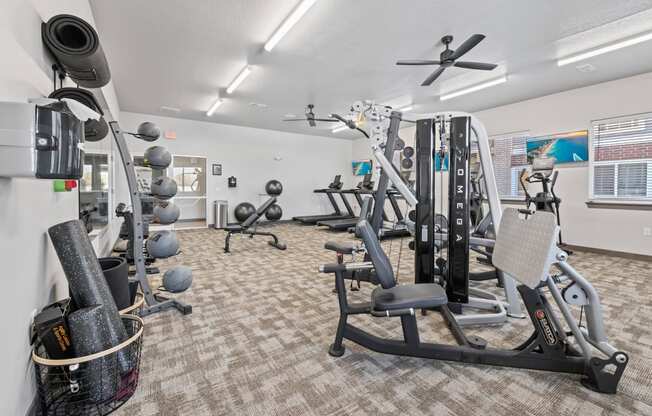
x=258 y=105
x=290 y=115
x=287 y=24
x=605 y=49
x=214 y=107
x=170 y=109
x=474 y=88
x=405 y=109
x=238 y=80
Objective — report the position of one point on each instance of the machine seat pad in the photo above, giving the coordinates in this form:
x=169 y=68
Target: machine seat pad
x=343 y=248
x=234 y=228
x=418 y=296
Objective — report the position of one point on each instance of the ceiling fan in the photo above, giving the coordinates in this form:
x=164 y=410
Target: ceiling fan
x=311 y=118
x=449 y=57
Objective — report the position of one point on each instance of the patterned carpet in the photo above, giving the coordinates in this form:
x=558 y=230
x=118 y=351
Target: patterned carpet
x=256 y=343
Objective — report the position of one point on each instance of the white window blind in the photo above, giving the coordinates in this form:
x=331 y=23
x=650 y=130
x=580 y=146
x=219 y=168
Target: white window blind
x=509 y=158
x=621 y=158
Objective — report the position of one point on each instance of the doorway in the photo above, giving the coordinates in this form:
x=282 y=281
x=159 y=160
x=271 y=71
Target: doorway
x=189 y=172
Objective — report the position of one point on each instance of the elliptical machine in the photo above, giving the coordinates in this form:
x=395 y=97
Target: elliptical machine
x=543 y=172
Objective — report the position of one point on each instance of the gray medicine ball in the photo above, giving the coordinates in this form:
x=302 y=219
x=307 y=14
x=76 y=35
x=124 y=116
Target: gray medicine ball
x=166 y=213
x=177 y=279
x=164 y=187
x=158 y=157
x=162 y=244
x=149 y=131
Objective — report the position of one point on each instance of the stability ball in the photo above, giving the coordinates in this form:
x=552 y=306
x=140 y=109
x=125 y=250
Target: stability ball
x=243 y=210
x=177 y=279
x=158 y=157
x=162 y=244
x=149 y=131
x=166 y=213
x=273 y=187
x=274 y=213
x=164 y=187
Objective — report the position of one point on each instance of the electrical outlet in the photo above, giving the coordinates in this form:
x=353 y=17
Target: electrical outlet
x=647 y=231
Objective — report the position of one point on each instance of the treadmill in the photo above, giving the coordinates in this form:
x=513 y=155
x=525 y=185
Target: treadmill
x=333 y=188
x=399 y=229
x=366 y=186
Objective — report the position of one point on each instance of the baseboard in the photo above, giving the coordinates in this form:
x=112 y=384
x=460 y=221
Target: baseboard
x=622 y=254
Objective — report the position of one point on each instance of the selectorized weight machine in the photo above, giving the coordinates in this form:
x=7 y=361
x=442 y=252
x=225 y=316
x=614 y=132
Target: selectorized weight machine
x=524 y=250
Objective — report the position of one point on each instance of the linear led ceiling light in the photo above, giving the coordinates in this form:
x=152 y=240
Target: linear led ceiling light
x=289 y=22
x=340 y=128
x=405 y=109
x=474 y=88
x=238 y=80
x=605 y=49
x=214 y=107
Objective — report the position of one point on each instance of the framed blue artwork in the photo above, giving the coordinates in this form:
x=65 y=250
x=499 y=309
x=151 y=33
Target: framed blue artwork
x=362 y=167
x=568 y=147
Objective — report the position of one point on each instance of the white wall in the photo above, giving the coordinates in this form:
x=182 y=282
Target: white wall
x=31 y=273
x=610 y=229
x=306 y=162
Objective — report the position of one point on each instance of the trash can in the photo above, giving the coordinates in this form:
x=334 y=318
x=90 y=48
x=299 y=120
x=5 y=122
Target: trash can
x=220 y=214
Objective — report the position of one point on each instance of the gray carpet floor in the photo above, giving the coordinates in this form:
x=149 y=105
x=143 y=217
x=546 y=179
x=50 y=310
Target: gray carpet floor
x=256 y=343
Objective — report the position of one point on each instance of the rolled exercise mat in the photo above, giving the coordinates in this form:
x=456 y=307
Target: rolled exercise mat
x=86 y=280
x=94 y=130
x=76 y=46
x=90 y=335
x=116 y=273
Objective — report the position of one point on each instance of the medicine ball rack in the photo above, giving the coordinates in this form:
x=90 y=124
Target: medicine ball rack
x=154 y=302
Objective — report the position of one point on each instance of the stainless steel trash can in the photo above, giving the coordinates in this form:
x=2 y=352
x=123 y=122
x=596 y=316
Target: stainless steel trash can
x=220 y=214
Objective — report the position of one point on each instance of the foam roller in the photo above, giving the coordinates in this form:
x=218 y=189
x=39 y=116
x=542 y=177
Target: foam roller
x=88 y=332
x=86 y=280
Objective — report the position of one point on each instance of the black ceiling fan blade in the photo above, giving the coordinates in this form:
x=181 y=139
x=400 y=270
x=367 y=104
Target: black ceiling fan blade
x=330 y=120
x=418 y=62
x=294 y=119
x=467 y=46
x=432 y=77
x=475 y=65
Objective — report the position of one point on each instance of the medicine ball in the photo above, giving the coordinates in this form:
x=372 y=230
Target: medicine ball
x=149 y=131
x=177 y=279
x=407 y=164
x=164 y=187
x=162 y=244
x=158 y=157
x=408 y=151
x=274 y=213
x=166 y=213
x=243 y=210
x=273 y=187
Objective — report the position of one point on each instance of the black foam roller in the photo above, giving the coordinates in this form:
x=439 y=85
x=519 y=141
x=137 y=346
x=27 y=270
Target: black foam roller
x=94 y=130
x=116 y=273
x=76 y=46
x=86 y=280
x=89 y=335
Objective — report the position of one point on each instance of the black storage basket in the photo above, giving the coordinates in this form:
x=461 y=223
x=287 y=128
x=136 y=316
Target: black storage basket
x=90 y=385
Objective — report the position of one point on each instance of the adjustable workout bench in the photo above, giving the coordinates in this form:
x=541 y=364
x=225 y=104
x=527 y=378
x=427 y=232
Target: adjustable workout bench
x=252 y=220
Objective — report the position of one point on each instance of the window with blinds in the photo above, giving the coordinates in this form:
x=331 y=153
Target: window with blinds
x=621 y=158
x=510 y=158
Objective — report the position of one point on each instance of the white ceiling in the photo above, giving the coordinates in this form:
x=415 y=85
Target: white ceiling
x=180 y=53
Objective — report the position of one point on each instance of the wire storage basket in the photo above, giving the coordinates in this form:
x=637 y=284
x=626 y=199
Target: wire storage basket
x=95 y=384
x=136 y=307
